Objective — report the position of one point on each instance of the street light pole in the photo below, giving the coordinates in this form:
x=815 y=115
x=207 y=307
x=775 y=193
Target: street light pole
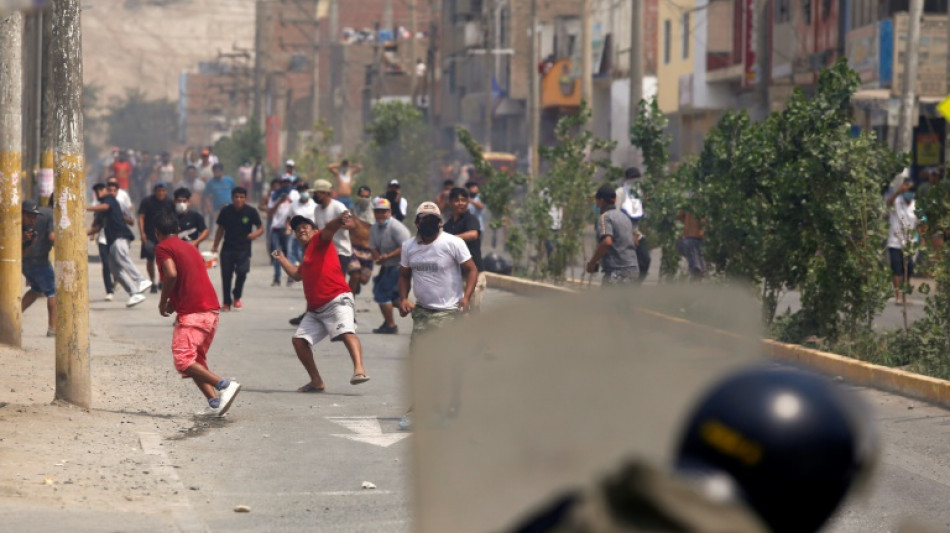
x=905 y=125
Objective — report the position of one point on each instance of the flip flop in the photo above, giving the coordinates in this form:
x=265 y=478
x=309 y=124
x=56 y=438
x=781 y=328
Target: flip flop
x=310 y=387
x=359 y=378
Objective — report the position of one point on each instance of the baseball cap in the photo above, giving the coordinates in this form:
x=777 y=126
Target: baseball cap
x=631 y=173
x=606 y=192
x=160 y=185
x=290 y=163
x=381 y=204
x=298 y=220
x=30 y=206
x=205 y=152
x=428 y=208
x=322 y=186
x=394 y=183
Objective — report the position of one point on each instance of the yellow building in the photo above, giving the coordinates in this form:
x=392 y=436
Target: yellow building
x=675 y=61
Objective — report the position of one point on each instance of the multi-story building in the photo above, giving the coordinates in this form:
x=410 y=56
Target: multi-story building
x=214 y=98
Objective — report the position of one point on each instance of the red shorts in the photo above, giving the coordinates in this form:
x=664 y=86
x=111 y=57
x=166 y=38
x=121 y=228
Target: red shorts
x=192 y=339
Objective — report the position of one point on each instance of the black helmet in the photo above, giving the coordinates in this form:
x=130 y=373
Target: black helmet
x=792 y=442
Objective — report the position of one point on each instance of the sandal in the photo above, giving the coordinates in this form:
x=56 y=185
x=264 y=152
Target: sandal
x=359 y=378
x=310 y=387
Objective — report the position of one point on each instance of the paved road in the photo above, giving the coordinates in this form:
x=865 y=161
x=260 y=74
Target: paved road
x=299 y=460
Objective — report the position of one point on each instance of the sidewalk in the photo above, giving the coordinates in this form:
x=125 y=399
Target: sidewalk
x=64 y=465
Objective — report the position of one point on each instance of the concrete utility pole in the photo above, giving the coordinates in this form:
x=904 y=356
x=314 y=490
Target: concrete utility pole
x=412 y=51
x=433 y=62
x=258 y=60
x=636 y=72
x=763 y=59
x=587 y=56
x=317 y=50
x=11 y=257
x=534 y=94
x=72 y=281
x=489 y=18
x=47 y=107
x=905 y=124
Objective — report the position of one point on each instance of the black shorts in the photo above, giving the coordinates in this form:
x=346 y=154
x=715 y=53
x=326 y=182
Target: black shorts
x=148 y=250
x=896 y=256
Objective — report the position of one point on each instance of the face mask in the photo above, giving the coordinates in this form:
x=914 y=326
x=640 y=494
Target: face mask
x=429 y=227
x=181 y=209
x=362 y=202
x=304 y=197
x=384 y=223
x=908 y=196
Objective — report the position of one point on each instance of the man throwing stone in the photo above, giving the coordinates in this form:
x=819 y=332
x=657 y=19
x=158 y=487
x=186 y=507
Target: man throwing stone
x=330 y=305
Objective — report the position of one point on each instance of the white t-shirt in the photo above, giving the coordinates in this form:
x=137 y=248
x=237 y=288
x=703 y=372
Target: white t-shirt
x=436 y=276
x=306 y=210
x=629 y=200
x=323 y=215
x=903 y=223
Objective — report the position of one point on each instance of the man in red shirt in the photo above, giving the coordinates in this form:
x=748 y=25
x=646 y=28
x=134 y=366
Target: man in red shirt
x=122 y=171
x=330 y=304
x=187 y=291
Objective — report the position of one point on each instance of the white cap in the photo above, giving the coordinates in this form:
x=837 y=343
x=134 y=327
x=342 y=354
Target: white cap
x=290 y=163
x=428 y=208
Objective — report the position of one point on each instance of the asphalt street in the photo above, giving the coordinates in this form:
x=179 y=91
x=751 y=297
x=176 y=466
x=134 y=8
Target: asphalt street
x=300 y=462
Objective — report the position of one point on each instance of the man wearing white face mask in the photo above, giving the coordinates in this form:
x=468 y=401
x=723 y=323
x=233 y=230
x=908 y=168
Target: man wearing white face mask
x=191 y=225
x=304 y=207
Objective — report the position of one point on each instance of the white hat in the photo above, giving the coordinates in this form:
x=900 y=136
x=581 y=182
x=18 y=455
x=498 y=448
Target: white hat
x=290 y=163
x=322 y=186
x=428 y=208
x=381 y=204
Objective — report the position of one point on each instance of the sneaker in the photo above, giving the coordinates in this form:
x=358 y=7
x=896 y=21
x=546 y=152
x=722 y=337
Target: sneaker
x=209 y=412
x=135 y=299
x=143 y=286
x=154 y=289
x=238 y=304
x=295 y=321
x=227 y=396
x=225 y=308
x=290 y=282
x=386 y=330
x=109 y=296
x=51 y=332
x=275 y=283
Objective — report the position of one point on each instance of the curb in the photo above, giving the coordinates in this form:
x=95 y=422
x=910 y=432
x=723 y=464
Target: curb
x=916 y=386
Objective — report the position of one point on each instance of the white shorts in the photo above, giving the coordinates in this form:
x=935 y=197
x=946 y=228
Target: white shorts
x=335 y=318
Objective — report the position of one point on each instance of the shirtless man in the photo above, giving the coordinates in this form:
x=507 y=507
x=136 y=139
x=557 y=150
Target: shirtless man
x=345 y=173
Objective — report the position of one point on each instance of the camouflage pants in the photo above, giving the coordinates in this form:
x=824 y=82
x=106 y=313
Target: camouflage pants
x=425 y=320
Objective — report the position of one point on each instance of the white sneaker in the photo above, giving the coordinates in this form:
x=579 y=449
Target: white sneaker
x=135 y=299
x=227 y=396
x=109 y=297
x=209 y=412
x=144 y=285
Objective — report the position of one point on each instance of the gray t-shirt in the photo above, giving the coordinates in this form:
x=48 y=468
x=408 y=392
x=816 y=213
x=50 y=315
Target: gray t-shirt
x=385 y=239
x=622 y=255
x=38 y=254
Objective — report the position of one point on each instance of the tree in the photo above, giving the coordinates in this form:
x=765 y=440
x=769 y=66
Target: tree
x=244 y=144
x=398 y=147
x=313 y=157
x=137 y=122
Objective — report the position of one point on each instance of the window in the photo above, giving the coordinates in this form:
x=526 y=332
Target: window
x=666 y=41
x=685 y=35
x=783 y=11
x=806 y=11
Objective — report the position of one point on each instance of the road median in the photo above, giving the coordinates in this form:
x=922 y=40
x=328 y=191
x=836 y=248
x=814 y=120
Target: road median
x=928 y=389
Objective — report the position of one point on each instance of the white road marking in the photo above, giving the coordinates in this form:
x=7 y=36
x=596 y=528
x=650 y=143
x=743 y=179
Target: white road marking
x=182 y=511
x=366 y=429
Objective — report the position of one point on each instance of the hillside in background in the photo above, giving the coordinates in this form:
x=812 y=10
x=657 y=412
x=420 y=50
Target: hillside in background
x=146 y=44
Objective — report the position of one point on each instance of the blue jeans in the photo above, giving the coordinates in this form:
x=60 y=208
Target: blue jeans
x=277 y=242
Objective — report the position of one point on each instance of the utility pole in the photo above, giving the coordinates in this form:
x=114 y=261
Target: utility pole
x=433 y=63
x=412 y=51
x=763 y=59
x=258 y=61
x=72 y=282
x=489 y=17
x=534 y=95
x=587 y=56
x=905 y=125
x=11 y=257
x=317 y=49
x=636 y=70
